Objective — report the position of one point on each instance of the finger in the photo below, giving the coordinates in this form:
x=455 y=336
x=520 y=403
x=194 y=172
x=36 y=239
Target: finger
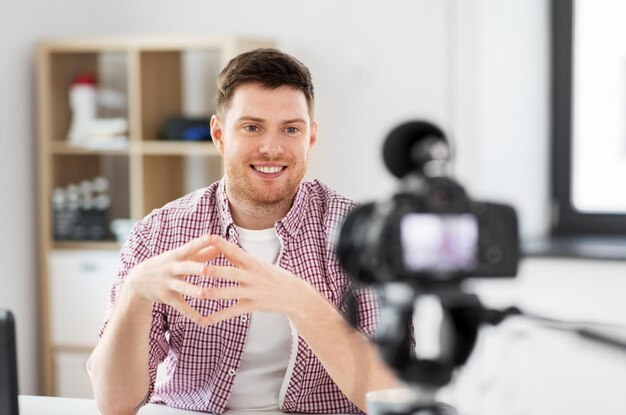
x=227 y=273
x=188 y=311
x=232 y=252
x=206 y=254
x=188 y=289
x=226 y=293
x=188 y=268
x=190 y=248
x=236 y=310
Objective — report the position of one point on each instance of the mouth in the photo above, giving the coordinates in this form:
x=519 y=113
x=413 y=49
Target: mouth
x=268 y=171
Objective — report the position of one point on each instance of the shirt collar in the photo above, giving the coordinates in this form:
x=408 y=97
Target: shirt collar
x=223 y=210
x=290 y=224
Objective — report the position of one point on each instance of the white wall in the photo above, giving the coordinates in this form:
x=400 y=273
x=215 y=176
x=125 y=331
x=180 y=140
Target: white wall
x=501 y=104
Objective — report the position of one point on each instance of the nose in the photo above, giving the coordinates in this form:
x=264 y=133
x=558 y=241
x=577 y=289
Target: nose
x=271 y=145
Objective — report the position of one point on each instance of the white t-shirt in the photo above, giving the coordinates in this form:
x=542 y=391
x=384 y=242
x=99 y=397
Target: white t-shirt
x=260 y=381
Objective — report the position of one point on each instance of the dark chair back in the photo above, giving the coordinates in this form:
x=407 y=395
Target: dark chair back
x=8 y=365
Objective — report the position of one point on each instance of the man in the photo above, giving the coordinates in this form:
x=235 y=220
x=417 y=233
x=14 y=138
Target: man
x=235 y=288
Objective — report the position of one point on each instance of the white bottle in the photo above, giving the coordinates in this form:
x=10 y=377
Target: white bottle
x=83 y=106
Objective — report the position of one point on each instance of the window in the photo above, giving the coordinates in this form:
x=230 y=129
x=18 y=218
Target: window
x=589 y=117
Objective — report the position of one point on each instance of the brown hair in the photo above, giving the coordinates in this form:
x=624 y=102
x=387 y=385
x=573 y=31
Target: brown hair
x=271 y=68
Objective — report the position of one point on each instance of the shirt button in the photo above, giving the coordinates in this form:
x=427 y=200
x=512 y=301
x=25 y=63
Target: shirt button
x=231 y=372
x=243 y=318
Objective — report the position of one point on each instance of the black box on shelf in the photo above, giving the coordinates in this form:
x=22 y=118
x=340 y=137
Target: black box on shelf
x=81 y=225
x=186 y=129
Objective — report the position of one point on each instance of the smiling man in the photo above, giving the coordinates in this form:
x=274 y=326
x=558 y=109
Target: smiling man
x=233 y=292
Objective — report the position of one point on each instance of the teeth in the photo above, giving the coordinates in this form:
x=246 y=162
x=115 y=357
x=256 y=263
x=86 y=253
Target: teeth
x=268 y=169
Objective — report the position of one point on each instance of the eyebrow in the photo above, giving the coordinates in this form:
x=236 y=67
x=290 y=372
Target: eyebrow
x=257 y=119
x=294 y=120
x=248 y=118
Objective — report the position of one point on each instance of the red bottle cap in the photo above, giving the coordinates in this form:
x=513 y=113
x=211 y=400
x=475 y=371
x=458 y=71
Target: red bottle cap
x=84 y=78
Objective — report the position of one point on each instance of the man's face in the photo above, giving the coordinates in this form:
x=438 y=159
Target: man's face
x=264 y=137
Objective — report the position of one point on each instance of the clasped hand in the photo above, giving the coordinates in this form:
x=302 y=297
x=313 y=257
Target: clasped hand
x=259 y=286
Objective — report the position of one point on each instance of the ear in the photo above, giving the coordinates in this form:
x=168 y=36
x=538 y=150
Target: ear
x=217 y=133
x=313 y=137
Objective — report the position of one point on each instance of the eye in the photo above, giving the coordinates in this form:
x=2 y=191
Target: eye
x=251 y=128
x=291 y=130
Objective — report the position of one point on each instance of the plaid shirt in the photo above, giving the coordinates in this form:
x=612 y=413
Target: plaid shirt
x=201 y=363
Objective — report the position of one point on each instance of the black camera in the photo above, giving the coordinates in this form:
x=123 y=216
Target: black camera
x=425 y=240
x=430 y=231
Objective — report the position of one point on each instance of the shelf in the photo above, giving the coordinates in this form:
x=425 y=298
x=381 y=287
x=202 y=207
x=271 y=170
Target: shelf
x=149 y=148
x=159 y=77
x=95 y=245
x=73 y=349
x=153 y=43
x=179 y=148
x=62 y=148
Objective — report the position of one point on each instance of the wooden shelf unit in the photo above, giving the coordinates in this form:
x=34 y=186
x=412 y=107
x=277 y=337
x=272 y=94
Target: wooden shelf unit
x=147 y=172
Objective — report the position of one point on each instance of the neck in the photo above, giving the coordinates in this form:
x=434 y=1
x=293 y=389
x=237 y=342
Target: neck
x=252 y=215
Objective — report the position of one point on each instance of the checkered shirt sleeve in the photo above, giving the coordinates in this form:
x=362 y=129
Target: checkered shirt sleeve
x=134 y=251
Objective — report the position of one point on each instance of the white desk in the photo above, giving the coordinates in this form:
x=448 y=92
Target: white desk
x=43 y=405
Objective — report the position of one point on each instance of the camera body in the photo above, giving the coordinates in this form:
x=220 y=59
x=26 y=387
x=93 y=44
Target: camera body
x=429 y=232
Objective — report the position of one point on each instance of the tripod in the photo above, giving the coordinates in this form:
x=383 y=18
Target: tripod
x=464 y=315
